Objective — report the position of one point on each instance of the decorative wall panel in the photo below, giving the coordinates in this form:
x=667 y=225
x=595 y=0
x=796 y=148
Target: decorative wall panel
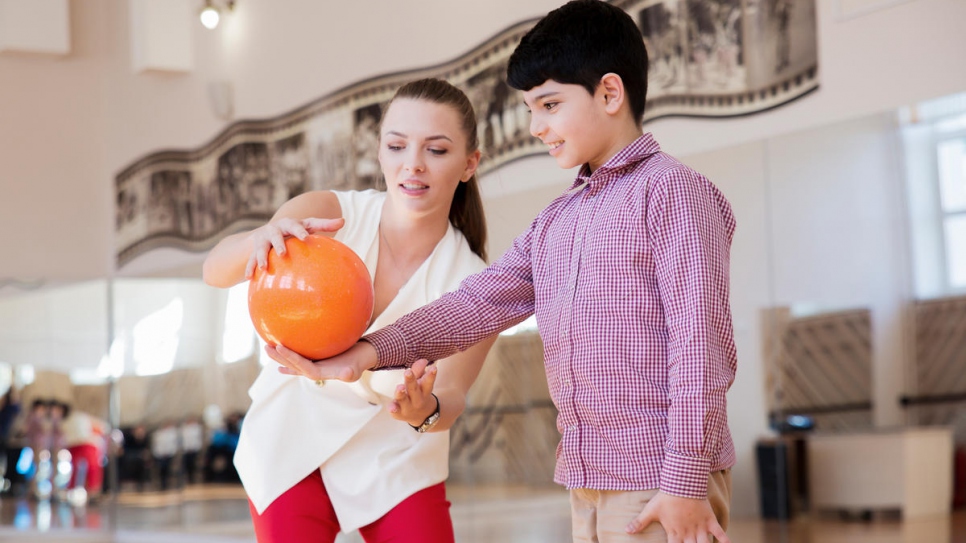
x=709 y=58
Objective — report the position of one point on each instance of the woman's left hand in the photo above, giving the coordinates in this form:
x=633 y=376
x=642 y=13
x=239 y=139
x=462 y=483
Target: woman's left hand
x=413 y=401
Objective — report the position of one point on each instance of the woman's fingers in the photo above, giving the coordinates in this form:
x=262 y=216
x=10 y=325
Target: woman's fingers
x=277 y=239
x=272 y=236
x=429 y=380
x=412 y=384
x=250 y=266
x=315 y=224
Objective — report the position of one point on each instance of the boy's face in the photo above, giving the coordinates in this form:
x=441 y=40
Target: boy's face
x=571 y=122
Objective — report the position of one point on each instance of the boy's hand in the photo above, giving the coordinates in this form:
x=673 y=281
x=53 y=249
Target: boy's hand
x=347 y=366
x=413 y=402
x=684 y=519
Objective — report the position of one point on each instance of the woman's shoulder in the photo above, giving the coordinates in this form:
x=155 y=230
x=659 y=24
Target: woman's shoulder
x=315 y=203
x=352 y=200
x=361 y=211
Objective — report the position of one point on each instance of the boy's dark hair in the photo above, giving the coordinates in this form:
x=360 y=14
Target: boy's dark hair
x=577 y=44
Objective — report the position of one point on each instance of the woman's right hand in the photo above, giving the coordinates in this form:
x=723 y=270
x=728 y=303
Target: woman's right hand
x=273 y=234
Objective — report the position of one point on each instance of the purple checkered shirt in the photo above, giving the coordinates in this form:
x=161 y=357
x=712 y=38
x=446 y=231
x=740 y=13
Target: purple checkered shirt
x=627 y=273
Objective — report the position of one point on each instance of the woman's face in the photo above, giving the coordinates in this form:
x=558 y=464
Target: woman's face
x=422 y=151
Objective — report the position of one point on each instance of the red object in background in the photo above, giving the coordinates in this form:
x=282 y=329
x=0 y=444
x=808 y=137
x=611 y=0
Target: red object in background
x=316 y=299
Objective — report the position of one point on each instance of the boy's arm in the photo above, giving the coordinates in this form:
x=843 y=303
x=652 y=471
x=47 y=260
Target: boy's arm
x=690 y=227
x=485 y=303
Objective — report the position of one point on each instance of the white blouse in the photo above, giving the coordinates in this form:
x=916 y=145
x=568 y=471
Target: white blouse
x=369 y=461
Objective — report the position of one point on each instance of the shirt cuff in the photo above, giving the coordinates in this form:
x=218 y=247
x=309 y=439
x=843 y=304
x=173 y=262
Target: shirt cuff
x=685 y=476
x=390 y=345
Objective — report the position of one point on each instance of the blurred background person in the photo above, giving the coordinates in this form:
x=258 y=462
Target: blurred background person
x=85 y=437
x=164 y=448
x=192 y=442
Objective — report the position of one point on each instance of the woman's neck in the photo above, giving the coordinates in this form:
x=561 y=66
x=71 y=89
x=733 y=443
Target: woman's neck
x=411 y=239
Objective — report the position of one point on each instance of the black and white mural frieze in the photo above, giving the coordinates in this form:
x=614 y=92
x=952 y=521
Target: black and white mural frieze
x=708 y=58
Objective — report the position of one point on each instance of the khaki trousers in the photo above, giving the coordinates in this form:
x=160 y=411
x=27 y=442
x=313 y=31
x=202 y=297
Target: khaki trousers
x=600 y=516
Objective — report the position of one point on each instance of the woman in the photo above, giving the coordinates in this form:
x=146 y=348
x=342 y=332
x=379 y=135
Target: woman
x=317 y=458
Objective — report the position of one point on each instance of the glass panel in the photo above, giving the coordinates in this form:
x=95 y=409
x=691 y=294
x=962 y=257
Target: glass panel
x=54 y=409
x=952 y=174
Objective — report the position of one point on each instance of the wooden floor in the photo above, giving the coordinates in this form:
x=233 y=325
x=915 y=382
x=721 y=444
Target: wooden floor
x=504 y=514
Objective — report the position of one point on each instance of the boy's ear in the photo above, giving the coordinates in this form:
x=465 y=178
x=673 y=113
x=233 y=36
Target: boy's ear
x=611 y=90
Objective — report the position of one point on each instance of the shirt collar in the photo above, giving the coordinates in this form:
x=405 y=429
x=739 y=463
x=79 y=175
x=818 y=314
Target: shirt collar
x=636 y=152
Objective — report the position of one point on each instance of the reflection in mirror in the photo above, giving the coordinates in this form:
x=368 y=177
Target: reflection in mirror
x=54 y=381
x=188 y=354
x=179 y=363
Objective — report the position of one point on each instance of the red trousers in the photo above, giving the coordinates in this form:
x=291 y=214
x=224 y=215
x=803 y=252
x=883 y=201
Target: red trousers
x=304 y=514
x=95 y=472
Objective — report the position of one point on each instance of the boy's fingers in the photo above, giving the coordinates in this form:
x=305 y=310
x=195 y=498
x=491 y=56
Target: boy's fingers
x=718 y=532
x=296 y=363
x=639 y=523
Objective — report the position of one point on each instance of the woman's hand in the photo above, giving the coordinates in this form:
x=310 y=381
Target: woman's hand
x=413 y=401
x=273 y=234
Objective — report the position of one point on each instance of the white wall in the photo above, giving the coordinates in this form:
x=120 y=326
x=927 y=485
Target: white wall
x=67 y=125
x=282 y=54
x=820 y=226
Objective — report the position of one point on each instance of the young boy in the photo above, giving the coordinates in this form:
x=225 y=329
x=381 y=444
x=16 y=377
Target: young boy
x=627 y=273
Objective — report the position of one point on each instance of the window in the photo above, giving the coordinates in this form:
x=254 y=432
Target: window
x=934 y=141
x=951 y=170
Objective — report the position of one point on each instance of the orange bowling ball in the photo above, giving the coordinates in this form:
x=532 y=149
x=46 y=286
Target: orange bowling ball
x=316 y=299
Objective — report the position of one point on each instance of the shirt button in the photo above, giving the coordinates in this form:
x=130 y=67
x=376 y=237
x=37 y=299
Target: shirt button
x=572 y=427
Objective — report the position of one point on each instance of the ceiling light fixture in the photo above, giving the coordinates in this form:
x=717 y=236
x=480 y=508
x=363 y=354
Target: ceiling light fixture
x=210 y=14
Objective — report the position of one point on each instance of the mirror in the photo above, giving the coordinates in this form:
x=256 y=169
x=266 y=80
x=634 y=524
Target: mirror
x=167 y=392
x=56 y=386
